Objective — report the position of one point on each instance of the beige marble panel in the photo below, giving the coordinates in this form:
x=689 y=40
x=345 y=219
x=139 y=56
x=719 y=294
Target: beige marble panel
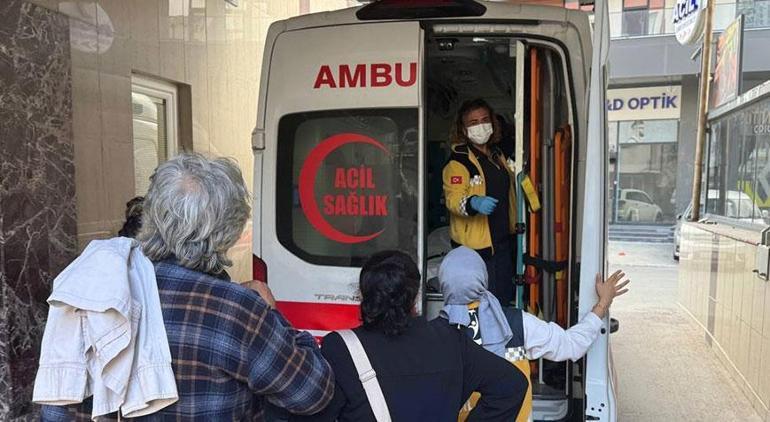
x=87 y=143
x=119 y=181
x=719 y=323
x=215 y=8
x=215 y=30
x=115 y=54
x=220 y=105
x=115 y=15
x=83 y=41
x=766 y=322
x=282 y=9
x=195 y=27
x=738 y=287
x=755 y=354
x=171 y=15
x=758 y=308
x=196 y=58
x=235 y=26
x=116 y=108
x=85 y=236
x=764 y=372
x=744 y=348
x=326 y=5
x=145 y=34
x=172 y=60
x=82 y=10
x=85 y=104
x=747 y=302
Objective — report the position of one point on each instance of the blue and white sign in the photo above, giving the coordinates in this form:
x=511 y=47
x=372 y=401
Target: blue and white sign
x=689 y=18
x=648 y=103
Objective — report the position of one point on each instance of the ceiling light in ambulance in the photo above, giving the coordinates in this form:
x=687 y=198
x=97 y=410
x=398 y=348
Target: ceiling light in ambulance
x=420 y=9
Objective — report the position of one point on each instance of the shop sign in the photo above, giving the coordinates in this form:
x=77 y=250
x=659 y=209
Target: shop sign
x=726 y=84
x=648 y=103
x=689 y=18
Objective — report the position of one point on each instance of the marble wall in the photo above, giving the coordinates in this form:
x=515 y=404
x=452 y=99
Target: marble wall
x=66 y=159
x=719 y=289
x=37 y=189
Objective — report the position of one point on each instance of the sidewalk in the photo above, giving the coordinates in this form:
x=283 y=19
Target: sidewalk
x=665 y=370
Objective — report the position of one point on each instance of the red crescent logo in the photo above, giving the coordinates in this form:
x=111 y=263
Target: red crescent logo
x=307 y=179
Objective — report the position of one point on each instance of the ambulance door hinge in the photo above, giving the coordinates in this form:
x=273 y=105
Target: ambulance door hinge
x=258 y=139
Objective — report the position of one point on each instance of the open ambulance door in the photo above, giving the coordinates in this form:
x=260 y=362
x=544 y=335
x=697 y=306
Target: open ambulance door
x=600 y=402
x=341 y=175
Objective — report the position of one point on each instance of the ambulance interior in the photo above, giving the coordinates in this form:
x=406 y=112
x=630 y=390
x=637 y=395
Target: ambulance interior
x=460 y=68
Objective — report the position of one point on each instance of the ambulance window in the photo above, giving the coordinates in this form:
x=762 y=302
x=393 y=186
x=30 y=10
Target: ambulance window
x=347 y=184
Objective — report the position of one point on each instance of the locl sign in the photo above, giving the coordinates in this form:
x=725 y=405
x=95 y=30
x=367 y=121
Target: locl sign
x=689 y=18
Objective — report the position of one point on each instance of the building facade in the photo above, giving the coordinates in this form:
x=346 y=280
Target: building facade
x=646 y=59
x=93 y=95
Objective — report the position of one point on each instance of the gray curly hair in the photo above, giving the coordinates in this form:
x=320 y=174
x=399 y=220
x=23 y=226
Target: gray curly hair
x=195 y=211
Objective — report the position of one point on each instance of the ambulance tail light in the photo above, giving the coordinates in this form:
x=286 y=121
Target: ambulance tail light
x=258 y=269
x=420 y=9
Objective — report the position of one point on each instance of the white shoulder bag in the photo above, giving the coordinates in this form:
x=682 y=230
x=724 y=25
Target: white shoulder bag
x=367 y=376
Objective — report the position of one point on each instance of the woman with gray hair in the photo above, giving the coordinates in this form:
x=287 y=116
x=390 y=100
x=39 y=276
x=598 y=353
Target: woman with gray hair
x=231 y=351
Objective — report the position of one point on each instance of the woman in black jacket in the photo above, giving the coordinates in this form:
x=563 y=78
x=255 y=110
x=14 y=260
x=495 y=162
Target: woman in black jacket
x=426 y=370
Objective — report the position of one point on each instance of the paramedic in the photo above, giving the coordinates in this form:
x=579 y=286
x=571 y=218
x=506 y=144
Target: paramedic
x=512 y=333
x=479 y=188
x=426 y=370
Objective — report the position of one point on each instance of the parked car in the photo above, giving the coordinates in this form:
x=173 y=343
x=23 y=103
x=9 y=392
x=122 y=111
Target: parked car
x=636 y=206
x=739 y=206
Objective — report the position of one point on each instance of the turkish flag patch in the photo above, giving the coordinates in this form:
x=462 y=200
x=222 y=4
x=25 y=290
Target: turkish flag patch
x=456 y=180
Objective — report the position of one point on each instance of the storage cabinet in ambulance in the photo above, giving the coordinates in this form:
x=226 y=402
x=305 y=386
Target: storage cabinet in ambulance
x=355 y=108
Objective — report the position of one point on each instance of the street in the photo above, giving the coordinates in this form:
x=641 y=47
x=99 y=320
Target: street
x=665 y=370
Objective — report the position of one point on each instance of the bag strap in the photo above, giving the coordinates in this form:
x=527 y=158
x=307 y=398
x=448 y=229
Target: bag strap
x=367 y=375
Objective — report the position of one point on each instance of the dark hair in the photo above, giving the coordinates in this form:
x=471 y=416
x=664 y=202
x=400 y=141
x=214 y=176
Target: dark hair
x=389 y=284
x=134 y=209
x=457 y=132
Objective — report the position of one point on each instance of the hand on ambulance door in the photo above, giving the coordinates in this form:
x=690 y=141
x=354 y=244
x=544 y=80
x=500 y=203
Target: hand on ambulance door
x=608 y=290
x=264 y=291
x=484 y=204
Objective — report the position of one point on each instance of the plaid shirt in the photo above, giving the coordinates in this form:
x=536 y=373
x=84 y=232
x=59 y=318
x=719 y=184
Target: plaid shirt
x=229 y=352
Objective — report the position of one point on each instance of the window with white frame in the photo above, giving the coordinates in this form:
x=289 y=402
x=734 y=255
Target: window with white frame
x=155 y=123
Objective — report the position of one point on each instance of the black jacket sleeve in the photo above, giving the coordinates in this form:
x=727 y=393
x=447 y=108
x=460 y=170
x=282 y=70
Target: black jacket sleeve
x=346 y=377
x=502 y=386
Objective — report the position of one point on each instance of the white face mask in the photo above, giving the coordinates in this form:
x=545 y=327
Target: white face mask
x=479 y=134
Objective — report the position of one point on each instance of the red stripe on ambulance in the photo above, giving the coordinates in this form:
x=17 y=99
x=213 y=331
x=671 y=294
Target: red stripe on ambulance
x=320 y=316
x=376 y=75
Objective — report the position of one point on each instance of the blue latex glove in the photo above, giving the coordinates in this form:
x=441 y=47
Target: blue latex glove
x=483 y=204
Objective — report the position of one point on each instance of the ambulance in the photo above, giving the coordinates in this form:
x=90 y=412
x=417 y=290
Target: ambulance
x=355 y=108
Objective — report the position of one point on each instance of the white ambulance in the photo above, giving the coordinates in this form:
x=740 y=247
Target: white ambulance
x=355 y=108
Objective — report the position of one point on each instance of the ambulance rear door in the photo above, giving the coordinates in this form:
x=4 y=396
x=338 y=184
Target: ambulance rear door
x=600 y=399
x=341 y=176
